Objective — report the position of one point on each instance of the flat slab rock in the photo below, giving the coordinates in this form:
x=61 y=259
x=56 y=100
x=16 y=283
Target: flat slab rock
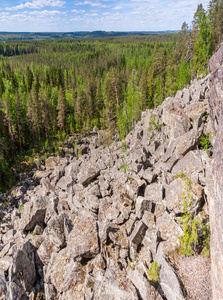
x=83 y=239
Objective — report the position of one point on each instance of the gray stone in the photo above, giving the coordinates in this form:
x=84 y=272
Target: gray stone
x=181 y=190
x=87 y=174
x=142 y=204
x=138 y=233
x=114 y=285
x=23 y=270
x=168 y=280
x=83 y=239
x=168 y=230
x=189 y=164
x=54 y=231
x=154 y=192
x=33 y=213
x=146 y=291
x=3 y=289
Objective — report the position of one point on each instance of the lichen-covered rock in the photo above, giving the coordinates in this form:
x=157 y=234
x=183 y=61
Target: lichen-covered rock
x=189 y=164
x=181 y=192
x=169 y=282
x=82 y=241
x=87 y=174
x=33 y=213
x=114 y=285
x=146 y=291
x=23 y=270
x=138 y=233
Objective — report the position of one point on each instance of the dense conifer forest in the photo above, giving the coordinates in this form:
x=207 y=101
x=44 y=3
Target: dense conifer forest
x=53 y=88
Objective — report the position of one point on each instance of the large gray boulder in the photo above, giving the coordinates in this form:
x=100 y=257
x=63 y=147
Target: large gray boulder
x=183 y=194
x=145 y=290
x=82 y=241
x=34 y=212
x=169 y=281
x=23 y=270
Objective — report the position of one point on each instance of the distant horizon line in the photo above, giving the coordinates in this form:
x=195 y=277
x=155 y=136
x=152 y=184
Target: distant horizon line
x=146 y=31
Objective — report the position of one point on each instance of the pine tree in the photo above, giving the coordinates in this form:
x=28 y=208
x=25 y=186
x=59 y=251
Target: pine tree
x=61 y=107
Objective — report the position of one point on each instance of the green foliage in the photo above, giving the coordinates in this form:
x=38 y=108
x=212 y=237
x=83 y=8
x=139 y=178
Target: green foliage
x=180 y=175
x=79 y=153
x=21 y=208
x=190 y=233
x=124 y=167
x=124 y=146
x=191 y=242
x=154 y=273
x=205 y=141
x=153 y=124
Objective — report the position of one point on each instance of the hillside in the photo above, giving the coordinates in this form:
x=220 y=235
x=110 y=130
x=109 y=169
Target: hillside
x=7 y=36
x=114 y=222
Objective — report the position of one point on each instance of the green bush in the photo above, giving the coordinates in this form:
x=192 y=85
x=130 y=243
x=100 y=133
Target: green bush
x=192 y=241
x=21 y=208
x=205 y=143
x=124 y=167
x=154 y=273
x=154 y=124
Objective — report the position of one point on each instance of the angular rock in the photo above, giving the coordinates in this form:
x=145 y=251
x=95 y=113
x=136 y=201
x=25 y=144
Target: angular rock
x=154 y=192
x=167 y=227
x=181 y=190
x=142 y=204
x=23 y=270
x=3 y=289
x=145 y=290
x=33 y=213
x=55 y=230
x=87 y=174
x=138 y=233
x=169 y=282
x=114 y=285
x=188 y=165
x=83 y=239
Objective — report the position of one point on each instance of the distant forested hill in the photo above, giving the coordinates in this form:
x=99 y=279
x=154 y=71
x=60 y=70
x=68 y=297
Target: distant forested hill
x=6 y=36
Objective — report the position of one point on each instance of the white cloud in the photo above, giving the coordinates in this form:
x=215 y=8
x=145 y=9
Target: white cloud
x=91 y=15
x=92 y=3
x=37 y=4
x=148 y=1
x=78 y=11
x=45 y=13
x=117 y=7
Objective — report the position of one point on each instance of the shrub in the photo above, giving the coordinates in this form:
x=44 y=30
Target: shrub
x=205 y=143
x=21 y=208
x=196 y=235
x=124 y=167
x=154 y=273
x=154 y=124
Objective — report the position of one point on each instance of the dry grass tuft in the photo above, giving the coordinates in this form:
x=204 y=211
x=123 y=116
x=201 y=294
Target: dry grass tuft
x=195 y=274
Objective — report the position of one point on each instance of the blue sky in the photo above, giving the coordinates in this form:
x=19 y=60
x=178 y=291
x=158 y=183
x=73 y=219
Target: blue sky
x=72 y=15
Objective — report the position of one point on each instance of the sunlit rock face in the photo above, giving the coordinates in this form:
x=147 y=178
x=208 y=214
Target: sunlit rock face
x=216 y=187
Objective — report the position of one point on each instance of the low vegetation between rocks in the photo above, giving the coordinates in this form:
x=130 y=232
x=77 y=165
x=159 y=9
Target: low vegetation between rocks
x=120 y=221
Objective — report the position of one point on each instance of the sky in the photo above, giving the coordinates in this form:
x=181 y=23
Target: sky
x=108 y=15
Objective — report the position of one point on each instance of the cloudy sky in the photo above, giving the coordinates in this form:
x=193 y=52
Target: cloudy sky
x=72 y=15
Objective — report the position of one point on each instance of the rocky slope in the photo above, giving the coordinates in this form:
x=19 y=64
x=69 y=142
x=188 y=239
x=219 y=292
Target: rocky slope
x=90 y=227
